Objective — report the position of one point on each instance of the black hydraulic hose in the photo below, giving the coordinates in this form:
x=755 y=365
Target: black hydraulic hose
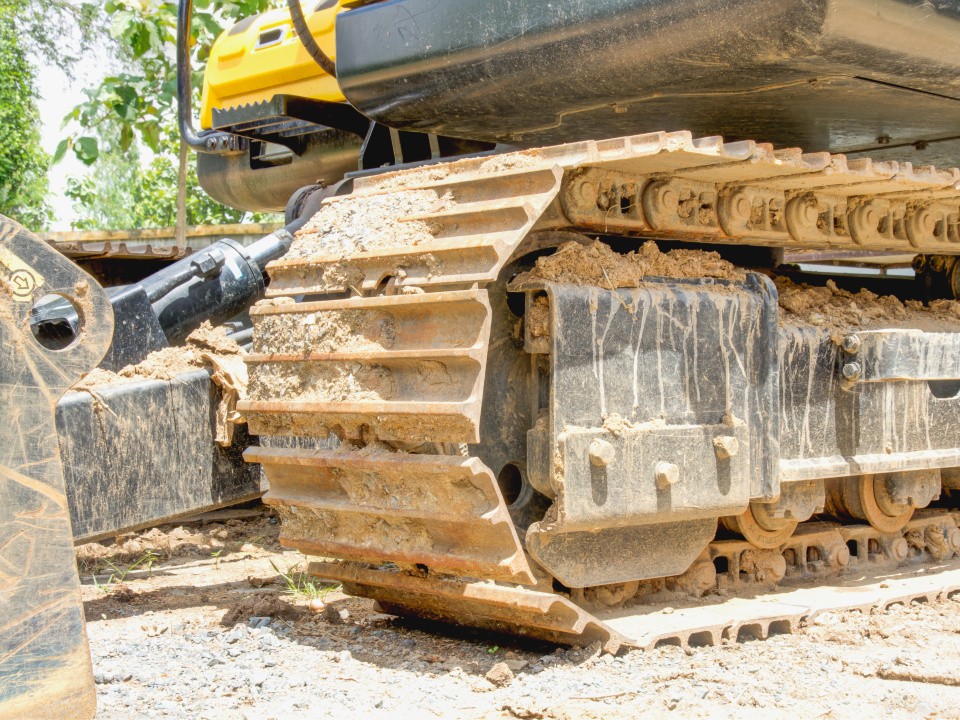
x=306 y=37
x=207 y=142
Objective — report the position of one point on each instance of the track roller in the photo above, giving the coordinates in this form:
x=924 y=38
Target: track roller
x=886 y=501
x=770 y=525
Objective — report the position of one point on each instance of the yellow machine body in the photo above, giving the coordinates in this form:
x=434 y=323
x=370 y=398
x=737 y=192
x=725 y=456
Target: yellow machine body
x=262 y=56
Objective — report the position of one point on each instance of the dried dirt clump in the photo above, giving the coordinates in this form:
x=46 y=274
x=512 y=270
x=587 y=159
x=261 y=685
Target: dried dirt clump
x=205 y=345
x=598 y=264
x=324 y=332
x=363 y=223
x=835 y=309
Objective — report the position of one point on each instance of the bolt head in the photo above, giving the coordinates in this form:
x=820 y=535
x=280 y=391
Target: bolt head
x=668 y=197
x=601 y=452
x=740 y=206
x=899 y=549
x=851 y=344
x=666 y=474
x=726 y=446
x=852 y=371
x=839 y=556
x=953 y=537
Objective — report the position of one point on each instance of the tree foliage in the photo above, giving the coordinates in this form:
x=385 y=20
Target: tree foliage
x=23 y=164
x=137 y=108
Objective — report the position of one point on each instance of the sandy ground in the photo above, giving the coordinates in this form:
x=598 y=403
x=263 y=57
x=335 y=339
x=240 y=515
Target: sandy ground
x=214 y=621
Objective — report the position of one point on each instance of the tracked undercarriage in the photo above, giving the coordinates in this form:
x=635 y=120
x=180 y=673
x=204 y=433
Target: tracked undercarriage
x=500 y=449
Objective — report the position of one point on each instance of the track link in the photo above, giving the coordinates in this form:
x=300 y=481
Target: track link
x=396 y=370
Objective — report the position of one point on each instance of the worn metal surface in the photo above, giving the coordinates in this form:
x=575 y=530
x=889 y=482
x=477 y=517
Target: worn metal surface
x=764 y=592
x=668 y=373
x=832 y=75
x=438 y=511
x=151 y=243
x=412 y=369
x=894 y=417
x=778 y=406
x=44 y=658
x=136 y=454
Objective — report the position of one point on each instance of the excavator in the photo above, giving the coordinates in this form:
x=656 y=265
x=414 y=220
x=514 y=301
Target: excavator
x=623 y=322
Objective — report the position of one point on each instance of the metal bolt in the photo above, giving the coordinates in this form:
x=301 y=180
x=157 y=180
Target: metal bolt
x=851 y=344
x=898 y=549
x=852 y=371
x=739 y=206
x=602 y=453
x=838 y=556
x=668 y=197
x=809 y=213
x=953 y=537
x=726 y=446
x=619 y=109
x=883 y=139
x=667 y=474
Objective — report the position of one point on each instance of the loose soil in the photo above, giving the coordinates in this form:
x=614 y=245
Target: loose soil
x=211 y=629
x=363 y=223
x=598 y=264
x=204 y=343
x=835 y=309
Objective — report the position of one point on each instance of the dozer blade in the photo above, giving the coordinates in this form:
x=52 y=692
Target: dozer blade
x=45 y=669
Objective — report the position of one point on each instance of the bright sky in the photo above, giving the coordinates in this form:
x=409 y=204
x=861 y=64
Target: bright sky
x=58 y=95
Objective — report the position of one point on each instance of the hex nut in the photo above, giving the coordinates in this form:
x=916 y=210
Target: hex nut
x=851 y=344
x=667 y=474
x=851 y=371
x=898 y=549
x=726 y=446
x=601 y=452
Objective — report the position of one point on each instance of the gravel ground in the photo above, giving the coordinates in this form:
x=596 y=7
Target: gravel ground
x=216 y=622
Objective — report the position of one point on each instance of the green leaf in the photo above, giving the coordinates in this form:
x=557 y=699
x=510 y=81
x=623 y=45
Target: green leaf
x=151 y=136
x=126 y=137
x=61 y=150
x=87 y=150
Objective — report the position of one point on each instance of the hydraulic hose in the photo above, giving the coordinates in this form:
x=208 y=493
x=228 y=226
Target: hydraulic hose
x=207 y=142
x=306 y=37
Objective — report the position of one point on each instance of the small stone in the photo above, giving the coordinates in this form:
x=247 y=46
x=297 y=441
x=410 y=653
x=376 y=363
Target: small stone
x=515 y=664
x=500 y=674
x=259 y=622
x=336 y=616
x=342 y=656
x=233 y=652
x=408 y=642
x=259 y=677
x=317 y=605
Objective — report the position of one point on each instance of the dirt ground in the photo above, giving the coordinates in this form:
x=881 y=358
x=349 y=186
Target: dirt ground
x=214 y=620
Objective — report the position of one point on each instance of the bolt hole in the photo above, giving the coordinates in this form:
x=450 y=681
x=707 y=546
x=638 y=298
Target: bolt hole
x=510 y=481
x=625 y=204
x=852 y=547
x=721 y=564
x=55 y=322
x=944 y=389
x=813 y=554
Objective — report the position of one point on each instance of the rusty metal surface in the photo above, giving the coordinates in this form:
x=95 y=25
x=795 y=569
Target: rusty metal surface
x=525 y=611
x=45 y=667
x=656 y=185
x=377 y=500
x=440 y=511
x=409 y=368
x=151 y=243
x=750 y=596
